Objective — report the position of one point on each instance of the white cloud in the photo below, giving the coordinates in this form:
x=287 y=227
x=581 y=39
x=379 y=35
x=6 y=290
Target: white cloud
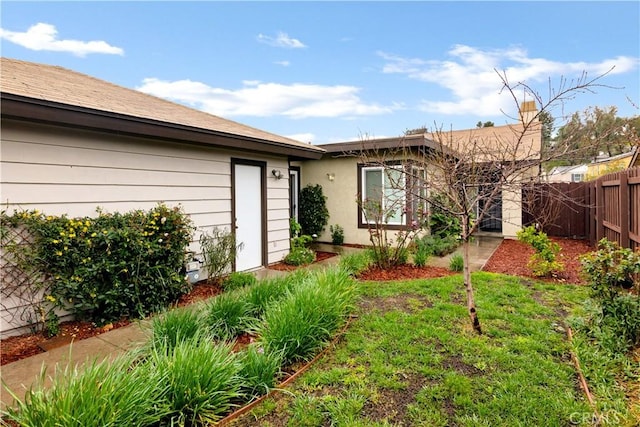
x=283 y=63
x=281 y=40
x=303 y=137
x=45 y=37
x=260 y=99
x=470 y=75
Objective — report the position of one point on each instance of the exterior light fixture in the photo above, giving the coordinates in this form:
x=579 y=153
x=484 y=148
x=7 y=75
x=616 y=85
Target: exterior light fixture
x=331 y=176
x=276 y=174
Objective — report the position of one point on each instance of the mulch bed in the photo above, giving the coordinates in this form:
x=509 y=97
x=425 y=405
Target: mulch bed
x=512 y=257
x=404 y=272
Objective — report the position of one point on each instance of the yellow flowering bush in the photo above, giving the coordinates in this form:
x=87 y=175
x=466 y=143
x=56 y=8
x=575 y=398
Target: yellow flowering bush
x=114 y=265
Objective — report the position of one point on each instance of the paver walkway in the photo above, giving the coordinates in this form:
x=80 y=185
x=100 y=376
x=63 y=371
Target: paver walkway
x=22 y=374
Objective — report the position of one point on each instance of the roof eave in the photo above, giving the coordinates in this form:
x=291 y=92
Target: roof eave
x=48 y=112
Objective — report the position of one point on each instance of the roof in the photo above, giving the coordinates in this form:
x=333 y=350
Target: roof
x=356 y=147
x=513 y=142
x=561 y=170
x=56 y=95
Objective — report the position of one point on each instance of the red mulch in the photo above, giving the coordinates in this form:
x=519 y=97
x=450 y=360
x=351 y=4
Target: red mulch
x=281 y=266
x=512 y=257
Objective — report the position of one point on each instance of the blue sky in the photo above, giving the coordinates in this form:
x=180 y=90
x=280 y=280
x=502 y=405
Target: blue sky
x=325 y=72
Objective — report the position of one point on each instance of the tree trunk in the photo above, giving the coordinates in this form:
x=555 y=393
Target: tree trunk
x=471 y=302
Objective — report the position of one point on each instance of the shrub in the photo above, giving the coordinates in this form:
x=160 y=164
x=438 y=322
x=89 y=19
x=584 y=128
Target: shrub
x=337 y=234
x=237 y=280
x=611 y=271
x=300 y=253
x=108 y=393
x=314 y=215
x=219 y=250
x=227 y=315
x=456 y=263
x=112 y=266
x=442 y=223
x=201 y=381
x=543 y=262
x=258 y=371
x=436 y=246
x=422 y=252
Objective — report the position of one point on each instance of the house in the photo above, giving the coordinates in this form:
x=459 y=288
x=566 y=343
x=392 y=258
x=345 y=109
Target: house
x=574 y=173
x=71 y=143
x=347 y=177
x=605 y=164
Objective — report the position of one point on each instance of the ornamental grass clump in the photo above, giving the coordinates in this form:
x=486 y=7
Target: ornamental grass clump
x=301 y=324
x=266 y=292
x=201 y=381
x=258 y=371
x=355 y=263
x=228 y=315
x=108 y=393
x=180 y=324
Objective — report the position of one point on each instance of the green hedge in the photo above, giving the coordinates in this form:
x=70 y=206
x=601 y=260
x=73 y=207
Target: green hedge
x=112 y=266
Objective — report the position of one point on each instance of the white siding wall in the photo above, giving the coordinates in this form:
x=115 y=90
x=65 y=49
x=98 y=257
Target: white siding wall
x=62 y=171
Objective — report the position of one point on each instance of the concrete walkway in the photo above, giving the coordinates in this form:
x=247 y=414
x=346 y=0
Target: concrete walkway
x=22 y=374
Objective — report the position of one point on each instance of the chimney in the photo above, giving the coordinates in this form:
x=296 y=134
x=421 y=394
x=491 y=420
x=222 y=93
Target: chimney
x=528 y=111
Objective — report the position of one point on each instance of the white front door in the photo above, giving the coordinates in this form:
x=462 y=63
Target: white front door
x=294 y=192
x=248 y=211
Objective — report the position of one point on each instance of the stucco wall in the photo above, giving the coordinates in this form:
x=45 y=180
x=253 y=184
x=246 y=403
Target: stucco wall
x=63 y=171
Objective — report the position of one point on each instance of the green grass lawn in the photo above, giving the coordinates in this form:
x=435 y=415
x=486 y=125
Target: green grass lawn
x=410 y=358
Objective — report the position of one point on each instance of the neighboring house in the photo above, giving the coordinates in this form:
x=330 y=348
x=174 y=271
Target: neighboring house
x=635 y=160
x=575 y=173
x=71 y=143
x=346 y=175
x=604 y=164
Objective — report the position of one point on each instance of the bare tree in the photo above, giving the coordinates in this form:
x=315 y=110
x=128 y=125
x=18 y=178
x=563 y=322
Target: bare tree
x=473 y=170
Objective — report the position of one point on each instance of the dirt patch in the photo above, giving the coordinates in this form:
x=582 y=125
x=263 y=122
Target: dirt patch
x=512 y=256
x=391 y=405
x=455 y=363
x=404 y=272
x=409 y=303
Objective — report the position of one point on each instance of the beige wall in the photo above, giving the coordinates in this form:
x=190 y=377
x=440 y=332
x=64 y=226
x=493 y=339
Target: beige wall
x=62 y=171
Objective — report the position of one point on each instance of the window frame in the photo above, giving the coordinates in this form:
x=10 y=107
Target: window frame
x=408 y=216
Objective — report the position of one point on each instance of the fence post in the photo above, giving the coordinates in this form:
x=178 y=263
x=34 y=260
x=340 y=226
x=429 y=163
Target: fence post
x=599 y=209
x=623 y=204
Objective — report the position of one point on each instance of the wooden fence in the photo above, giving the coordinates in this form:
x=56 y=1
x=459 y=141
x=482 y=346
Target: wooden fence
x=606 y=207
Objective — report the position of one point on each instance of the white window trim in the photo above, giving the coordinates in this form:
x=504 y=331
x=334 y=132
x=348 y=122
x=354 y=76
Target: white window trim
x=403 y=216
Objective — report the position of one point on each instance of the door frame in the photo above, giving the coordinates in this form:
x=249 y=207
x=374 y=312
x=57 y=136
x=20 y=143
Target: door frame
x=294 y=184
x=263 y=201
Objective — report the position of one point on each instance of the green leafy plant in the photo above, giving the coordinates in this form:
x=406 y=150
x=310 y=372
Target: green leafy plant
x=267 y=292
x=177 y=325
x=314 y=215
x=201 y=381
x=422 y=252
x=543 y=262
x=612 y=274
x=258 y=371
x=219 y=250
x=337 y=234
x=436 y=246
x=441 y=222
x=237 y=280
x=300 y=253
x=302 y=322
x=356 y=263
x=227 y=315
x=108 y=393
x=456 y=263
x=114 y=265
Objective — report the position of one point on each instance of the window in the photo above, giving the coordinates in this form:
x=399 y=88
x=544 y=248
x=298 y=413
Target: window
x=577 y=177
x=391 y=194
